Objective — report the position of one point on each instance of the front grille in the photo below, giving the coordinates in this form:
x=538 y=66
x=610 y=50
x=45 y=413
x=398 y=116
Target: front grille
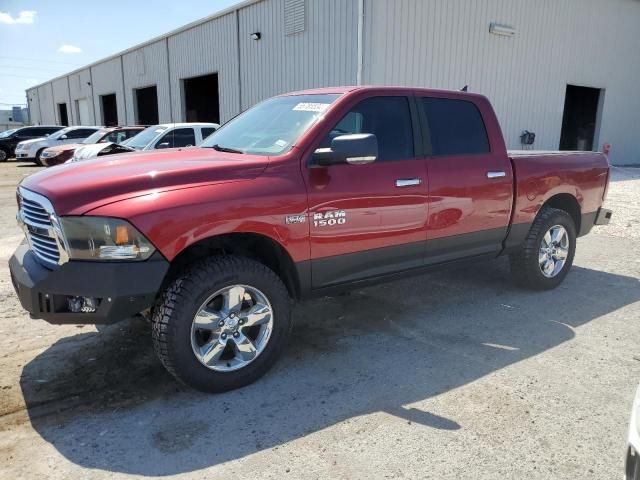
x=38 y=227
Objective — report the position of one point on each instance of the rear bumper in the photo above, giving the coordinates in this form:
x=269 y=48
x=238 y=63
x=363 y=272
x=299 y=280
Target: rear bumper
x=600 y=217
x=122 y=289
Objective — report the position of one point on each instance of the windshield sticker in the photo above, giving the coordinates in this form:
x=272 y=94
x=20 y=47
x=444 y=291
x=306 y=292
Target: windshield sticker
x=281 y=143
x=311 y=107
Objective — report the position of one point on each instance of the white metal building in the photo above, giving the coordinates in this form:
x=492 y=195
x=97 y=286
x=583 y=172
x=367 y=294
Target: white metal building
x=566 y=70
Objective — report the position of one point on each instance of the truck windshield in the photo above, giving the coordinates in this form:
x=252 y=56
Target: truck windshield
x=271 y=127
x=142 y=139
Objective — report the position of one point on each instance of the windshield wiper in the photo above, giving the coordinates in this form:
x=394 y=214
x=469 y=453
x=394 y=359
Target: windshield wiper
x=218 y=148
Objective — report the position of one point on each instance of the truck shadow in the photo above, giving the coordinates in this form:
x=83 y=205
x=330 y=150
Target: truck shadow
x=104 y=402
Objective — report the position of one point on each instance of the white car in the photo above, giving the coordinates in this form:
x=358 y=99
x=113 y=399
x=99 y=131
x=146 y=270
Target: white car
x=32 y=149
x=171 y=135
x=632 y=463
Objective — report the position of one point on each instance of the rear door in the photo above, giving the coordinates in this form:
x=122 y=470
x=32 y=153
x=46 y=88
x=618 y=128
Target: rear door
x=470 y=178
x=369 y=220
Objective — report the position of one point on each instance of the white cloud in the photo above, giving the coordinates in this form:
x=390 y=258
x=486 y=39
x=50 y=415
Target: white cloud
x=25 y=16
x=69 y=49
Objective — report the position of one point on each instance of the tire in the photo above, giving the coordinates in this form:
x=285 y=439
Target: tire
x=529 y=263
x=176 y=336
x=38 y=159
x=4 y=155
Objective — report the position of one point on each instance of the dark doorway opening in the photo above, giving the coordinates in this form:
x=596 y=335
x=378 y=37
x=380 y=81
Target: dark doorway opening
x=109 y=110
x=62 y=114
x=580 y=119
x=201 y=99
x=147 y=105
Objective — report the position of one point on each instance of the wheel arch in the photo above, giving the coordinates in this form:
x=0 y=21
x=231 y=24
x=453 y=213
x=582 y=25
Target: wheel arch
x=568 y=203
x=256 y=246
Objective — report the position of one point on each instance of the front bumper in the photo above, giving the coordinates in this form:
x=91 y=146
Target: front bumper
x=123 y=289
x=24 y=156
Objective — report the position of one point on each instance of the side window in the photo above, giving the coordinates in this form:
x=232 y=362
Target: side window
x=206 y=131
x=80 y=133
x=180 y=137
x=456 y=127
x=116 y=137
x=47 y=130
x=130 y=133
x=29 y=133
x=388 y=118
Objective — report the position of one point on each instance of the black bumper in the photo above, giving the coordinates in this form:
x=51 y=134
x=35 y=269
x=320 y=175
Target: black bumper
x=123 y=289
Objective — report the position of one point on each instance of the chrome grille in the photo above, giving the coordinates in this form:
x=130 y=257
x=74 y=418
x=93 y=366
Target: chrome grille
x=37 y=218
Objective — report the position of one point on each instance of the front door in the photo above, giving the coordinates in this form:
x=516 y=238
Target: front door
x=369 y=220
x=470 y=179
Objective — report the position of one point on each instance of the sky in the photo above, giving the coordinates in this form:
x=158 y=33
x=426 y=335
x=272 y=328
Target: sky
x=41 y=39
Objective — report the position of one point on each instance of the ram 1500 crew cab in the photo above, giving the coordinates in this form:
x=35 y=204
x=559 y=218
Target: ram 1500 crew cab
x=304 y=194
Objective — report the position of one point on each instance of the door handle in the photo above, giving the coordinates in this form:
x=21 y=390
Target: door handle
x=497 y=174
x=408 y=182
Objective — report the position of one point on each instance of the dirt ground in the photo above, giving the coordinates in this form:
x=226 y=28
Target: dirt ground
x=455 y=374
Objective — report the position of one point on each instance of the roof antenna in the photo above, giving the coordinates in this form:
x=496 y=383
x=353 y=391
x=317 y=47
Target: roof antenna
x=465 y=88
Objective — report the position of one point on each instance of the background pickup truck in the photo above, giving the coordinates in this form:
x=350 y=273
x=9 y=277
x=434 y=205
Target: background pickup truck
x=304 y=194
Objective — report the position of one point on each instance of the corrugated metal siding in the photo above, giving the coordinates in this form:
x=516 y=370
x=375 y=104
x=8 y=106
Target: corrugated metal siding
x=34 y=107
x=80 y=87
x=45 y=98
x=61 y=95
x=207 y=48
x=143 y=68
x=446 y=44
x=106 y=79
x=324 y=54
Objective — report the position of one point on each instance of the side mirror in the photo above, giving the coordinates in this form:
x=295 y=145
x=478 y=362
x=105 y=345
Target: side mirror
x=63 y=137
x=163 y=145
x=353 y=149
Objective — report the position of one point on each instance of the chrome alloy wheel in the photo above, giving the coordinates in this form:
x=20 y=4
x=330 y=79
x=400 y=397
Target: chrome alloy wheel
x=232 y=327
x=554 y=250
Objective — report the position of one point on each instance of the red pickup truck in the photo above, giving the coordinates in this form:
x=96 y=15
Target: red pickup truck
x=304 y=194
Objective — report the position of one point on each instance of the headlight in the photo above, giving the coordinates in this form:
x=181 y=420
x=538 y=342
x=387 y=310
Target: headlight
x=50 y=154
x=103 y=238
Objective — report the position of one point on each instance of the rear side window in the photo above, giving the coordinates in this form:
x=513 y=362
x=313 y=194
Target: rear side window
x=206 y=131
x=388 y=118
x=80 y=133
x=180 y=137
x=456 y=127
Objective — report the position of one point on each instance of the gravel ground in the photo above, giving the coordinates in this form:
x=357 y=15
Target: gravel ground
x=455 y=374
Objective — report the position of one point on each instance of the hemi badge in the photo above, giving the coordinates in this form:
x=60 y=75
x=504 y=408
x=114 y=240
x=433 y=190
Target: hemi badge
x=295 y=219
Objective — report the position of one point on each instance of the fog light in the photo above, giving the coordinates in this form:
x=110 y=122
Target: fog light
x=82 y=304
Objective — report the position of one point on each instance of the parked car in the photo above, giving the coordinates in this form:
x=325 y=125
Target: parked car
x=171 y=135
x=61 y=153
x=304 y=194
x=32 y=149
x=87 y=152
x=10 y=138
x=632 y=462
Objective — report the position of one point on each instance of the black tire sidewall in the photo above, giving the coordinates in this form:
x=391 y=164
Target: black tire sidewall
x=6 y=155
x=38 y=159
x=196 y=288
x=558 y=217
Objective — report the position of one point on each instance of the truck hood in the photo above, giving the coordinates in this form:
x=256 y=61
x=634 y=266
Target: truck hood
x=78 y=187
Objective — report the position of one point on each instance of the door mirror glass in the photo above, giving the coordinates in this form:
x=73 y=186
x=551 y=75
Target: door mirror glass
x=353 y=149
x=63 y=137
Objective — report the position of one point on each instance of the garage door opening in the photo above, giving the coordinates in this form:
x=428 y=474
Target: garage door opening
x=62 y=114
x=201 y=99
x=146 y=105
x=109 y=109
x=580 y=122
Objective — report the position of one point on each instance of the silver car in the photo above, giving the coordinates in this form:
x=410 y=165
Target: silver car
x=32 y=149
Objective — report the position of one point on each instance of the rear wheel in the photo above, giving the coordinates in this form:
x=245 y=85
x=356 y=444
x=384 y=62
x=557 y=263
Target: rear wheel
x=222 y=324
x=546 y=256
x=4 y=155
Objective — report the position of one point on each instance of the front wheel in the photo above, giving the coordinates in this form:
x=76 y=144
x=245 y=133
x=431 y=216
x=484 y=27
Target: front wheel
x=222 y=324
x=4 y=155
x=39 y=158
x=546 y=256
